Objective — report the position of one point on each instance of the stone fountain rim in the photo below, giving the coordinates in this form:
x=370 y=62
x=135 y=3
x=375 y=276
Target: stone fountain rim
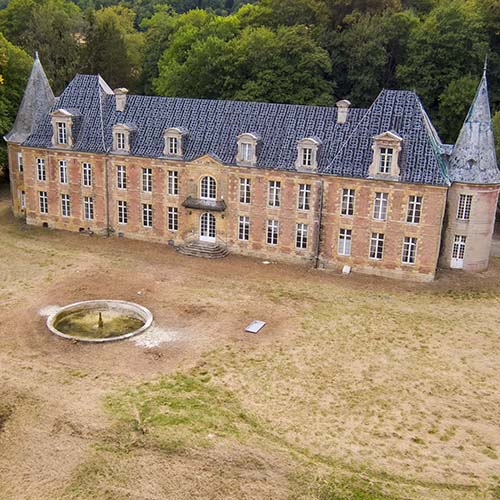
x=142 y=311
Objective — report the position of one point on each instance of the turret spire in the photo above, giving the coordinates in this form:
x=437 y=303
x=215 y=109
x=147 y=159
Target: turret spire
x=37 y=100
x=473 y=159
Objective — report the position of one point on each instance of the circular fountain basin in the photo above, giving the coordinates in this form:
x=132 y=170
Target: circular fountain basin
x=100 y=320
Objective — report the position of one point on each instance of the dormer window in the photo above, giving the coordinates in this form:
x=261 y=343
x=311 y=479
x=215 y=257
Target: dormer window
x=247 y=149
x=174 y=141
x=63 y=122
x=307 y=154
x=122 y=137
x=62 y=133
x=386 y=148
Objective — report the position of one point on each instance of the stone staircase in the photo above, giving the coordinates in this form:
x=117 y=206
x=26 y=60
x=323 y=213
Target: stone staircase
x=203 y=249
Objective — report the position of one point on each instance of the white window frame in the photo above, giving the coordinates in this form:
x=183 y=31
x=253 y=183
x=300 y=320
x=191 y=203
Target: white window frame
x=147 y=180
x=208 y=188
x=347 y=202
x=380 y=206
x=20 y=162
x=86 y=174
x=385 y=160
x=62 y=133
x=88 y=208
x=414 y=210
x=301 y=235
x=43 y=202
x=244 y=228
x=304 y=198
x=65 y=205
x=173 y=183
x=173 y=146
x=376 y=246
x=458 y=250
x=22 y=199
x=122 y=212
x=464 y=206
x=307 y=157
x=173 y=219
x=63 y=172
x=147 y=215
x=344 y=242
x=274 y=194
x=121 y=142
x=121 y=176
x=246 y=151
x=272 y=232
x=41 y=171
x=245 y=190
x=409 y=253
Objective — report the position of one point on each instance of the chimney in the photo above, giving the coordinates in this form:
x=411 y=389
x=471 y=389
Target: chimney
x=121 y=98
x=342 y=110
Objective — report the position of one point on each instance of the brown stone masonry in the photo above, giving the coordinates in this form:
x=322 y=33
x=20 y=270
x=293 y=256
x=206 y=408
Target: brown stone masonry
x=105 y=180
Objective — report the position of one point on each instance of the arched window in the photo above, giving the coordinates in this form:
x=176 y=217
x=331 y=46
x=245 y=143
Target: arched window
x=208 y=188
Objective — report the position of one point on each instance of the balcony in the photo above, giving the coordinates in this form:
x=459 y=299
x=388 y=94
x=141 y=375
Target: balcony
x=204 y=204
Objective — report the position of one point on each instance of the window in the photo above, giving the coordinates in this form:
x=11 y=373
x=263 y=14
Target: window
x=380 y=206
x=301 y=236
x=43 y=202
x=304 y=196
x=307 y=155
x=147 y=215
x=87 y=174
x=65 y=205
x=244 y=228
x=274 y=193
x=173 y=219
x=122 y=212
x=385 y=161
x=245 y=186
x=63 y=172
x=173 y=146
x=377 y=246
x=121 y=177
x=414 y=209
x=62 y=133
x=464 y=206
x=147 y=180
x=22 y=200
x=41 y=173
x=345 y=237
x=246 y=151
x=88 y=208
x=409 y=250
x=458 y=251
x=173 y=182
x=120 y=140
x=20 y=164
x=347 y=206
x=272 y=232
x=208 y=188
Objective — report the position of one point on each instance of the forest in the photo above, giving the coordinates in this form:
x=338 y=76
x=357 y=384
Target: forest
x=289 y=51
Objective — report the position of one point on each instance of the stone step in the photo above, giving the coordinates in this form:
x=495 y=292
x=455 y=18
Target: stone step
x=203 y=249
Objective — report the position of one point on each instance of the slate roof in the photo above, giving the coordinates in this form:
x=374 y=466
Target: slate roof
x=213 y=127
x=473 y=159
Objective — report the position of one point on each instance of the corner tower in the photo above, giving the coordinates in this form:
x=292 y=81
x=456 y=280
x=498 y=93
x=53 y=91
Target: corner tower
x=473 y=195
x=37 y=100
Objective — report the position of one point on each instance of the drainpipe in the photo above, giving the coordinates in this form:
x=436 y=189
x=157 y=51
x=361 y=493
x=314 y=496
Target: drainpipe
x=318 y=231
x=106 y=176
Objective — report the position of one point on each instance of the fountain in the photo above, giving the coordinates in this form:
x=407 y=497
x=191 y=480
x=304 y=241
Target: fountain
x=100 y=320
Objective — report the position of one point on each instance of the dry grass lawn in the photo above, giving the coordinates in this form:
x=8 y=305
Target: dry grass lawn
x=358 y=388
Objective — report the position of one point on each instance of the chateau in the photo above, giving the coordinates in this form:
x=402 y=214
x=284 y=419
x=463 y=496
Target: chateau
x=374 y=189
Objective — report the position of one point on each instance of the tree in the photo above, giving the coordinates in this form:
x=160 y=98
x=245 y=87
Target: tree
x=450 y=42
x=113 y=48
x=15 y=66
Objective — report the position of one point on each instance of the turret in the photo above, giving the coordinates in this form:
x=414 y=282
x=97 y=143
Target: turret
x=475 y=183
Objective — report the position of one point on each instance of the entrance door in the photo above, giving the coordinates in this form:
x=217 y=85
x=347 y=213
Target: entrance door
x=207 y=228
x=458 y=252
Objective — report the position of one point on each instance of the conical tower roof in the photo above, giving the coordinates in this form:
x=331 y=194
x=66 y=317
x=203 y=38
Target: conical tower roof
x=473 y=159
x=37 y=101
